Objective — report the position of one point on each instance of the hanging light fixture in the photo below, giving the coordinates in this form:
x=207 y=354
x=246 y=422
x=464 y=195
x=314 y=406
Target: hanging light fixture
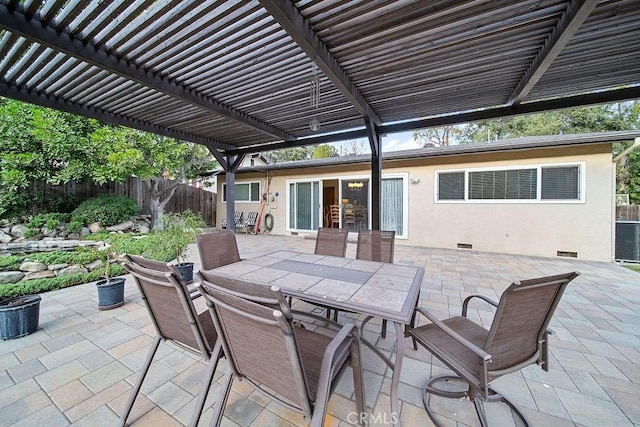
x=314 y=97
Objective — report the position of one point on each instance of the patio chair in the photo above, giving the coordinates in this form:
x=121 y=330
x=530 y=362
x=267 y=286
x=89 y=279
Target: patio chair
x=331 y=241
x=237 y=221
x=376 y=245
x=176 y=321
x=252 y=217
x=518 y=337
x=160 y=266
x=217 y=249
x=297 y=367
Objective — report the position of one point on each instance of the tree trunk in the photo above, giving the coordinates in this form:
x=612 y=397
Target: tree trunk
x=158 y=200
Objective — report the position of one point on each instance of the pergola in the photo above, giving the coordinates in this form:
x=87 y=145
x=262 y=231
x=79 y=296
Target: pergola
x=235 y=76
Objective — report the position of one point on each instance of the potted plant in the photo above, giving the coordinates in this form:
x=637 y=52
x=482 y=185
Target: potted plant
x=111 y=289
x=181 y=230
x=19 y=316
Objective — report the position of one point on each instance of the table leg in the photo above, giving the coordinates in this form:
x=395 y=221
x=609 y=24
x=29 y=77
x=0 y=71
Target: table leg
x=395 y=378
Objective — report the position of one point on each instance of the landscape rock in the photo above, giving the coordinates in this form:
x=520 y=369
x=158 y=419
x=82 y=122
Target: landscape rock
x=54 y=267
x=72 y=269
x=8 y=277
x=85 y=231
x=32 y=266
x=95 y=227
x=44 y=274
x=4 y=237
x=18 y=230
x=123 y=226
x=94 y=265
x=144 y=229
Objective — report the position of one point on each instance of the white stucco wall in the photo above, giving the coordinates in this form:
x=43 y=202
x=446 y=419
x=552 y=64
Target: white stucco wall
x=528 y=228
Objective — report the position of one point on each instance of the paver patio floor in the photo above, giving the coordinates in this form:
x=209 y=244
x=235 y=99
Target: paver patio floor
x=78 y=368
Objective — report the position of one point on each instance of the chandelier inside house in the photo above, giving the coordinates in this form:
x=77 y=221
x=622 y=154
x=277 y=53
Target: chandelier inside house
x=314 y=97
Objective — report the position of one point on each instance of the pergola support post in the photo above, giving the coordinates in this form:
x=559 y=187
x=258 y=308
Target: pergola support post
x=373 y=133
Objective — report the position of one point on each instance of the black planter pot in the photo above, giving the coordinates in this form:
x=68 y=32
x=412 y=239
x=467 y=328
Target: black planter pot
x=111 y=293
x=19 y=316
x=186 y=271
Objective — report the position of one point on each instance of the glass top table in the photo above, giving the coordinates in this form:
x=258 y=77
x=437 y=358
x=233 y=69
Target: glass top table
x=388 y=291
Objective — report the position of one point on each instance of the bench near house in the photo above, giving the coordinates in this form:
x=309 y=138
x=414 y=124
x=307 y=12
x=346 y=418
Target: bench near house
x=546 y=196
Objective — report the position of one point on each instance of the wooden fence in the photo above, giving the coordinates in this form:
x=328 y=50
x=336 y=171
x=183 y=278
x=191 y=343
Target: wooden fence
x=185 y=197
x=628 y=212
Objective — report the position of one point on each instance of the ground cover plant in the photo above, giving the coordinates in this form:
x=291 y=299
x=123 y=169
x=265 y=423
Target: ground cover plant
x=153 y=245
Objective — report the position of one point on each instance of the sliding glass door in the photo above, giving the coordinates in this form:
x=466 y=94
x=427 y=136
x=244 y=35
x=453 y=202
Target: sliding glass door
x=304 y=205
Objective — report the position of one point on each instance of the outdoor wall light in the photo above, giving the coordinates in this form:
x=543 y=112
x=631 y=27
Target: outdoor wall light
x=356 y=186
x=414 y=180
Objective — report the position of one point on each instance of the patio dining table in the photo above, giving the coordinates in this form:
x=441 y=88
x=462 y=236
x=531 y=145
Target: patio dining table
x=374 y=289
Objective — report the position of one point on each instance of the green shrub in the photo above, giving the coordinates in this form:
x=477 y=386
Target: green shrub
x=75 y=226
x=180 y=230
x=108 y=209
x=49 y=220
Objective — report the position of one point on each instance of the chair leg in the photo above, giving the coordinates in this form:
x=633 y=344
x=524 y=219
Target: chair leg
x=221 y=401
x=358 y=381
x=136 y=387
x=383 y=332
x=206 y=385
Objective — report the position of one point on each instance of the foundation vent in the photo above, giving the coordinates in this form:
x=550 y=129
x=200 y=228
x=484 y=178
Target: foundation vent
x=465 y=246
x=567 y=254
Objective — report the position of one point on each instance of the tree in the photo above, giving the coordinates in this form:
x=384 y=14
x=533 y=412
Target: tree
x=290 y=154
x=129 y=152
x=599 y=118
x=437 y=137
x=324 y=151
x=57 y=147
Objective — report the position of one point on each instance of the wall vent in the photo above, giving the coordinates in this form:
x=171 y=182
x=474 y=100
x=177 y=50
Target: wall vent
x=567 y=254
x=294 y=233
x=465 y=246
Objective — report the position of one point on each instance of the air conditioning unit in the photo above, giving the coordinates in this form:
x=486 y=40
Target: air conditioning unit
x=628 y=240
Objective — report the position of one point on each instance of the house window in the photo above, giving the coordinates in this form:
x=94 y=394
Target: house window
x=451 y=186
x=245 y=192
x=535 y=183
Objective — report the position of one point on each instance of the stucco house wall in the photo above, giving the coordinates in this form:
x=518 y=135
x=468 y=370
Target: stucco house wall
x=584 y=228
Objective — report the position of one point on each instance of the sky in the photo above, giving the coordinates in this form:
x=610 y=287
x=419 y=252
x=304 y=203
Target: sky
x=391 y=142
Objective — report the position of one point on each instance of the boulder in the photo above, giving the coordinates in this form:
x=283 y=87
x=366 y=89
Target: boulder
x=19 y=230
x=142 y=228
x=94 y=265
x=72 y=269
x=95 y=227
x=31 y=266
x=54 y=267
x=85 y=231
x=49 y=232
x=8 y=277
x=123 y=226
x=44 y=274
x=4 y=237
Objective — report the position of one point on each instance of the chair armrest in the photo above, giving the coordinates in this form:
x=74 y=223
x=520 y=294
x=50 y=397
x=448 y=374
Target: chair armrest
x=297 y=314
x=456 y=336
x=337 y=350
x=470 y=297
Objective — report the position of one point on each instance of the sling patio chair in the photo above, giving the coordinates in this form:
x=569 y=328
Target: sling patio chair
x=237 y=221
x=176 y=321
x=331 y=242
x=376 y=245
x=160 y=266
x=250 y=222
x=217 y=249
x=518 y=337
x=296 y=367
